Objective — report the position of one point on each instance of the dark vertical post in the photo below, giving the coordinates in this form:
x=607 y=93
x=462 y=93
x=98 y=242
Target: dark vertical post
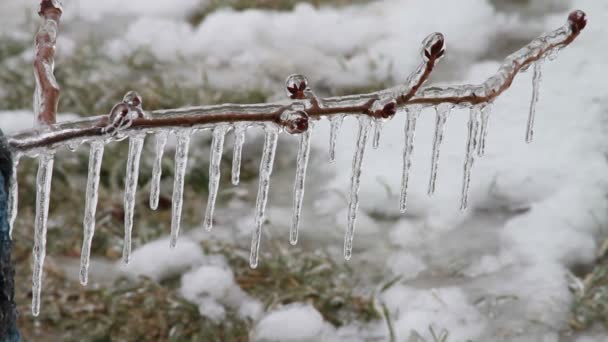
x=8 y=310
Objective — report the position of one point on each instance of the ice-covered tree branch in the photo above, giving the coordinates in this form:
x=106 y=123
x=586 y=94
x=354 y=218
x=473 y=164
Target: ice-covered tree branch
x=384 y=103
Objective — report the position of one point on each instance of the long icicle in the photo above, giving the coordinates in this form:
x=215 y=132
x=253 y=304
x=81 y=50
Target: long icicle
x=43 y=194
x=335 y=123
x=157 y=169
x=443 y=110
x=536 y=78
x=300 y=182
x=410 y=131
x=472 y=141
x=181 y=162
x=239 y=140
x=92 y=195
x=13 y=196
x=217 y=148
x=266 y=164
x=136 y=144
x=355 y=184
x=483 y=133
x=378 y=126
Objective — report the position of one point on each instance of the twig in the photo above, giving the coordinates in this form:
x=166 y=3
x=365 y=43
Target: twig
x=381 y=104
x=46 y=95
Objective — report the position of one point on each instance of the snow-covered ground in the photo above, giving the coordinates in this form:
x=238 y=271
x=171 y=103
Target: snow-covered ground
x=496 y=272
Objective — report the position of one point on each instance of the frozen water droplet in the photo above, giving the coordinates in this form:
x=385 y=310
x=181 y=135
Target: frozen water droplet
x=299 y=186
x=295 y=121
x=433 y=46
x=536 y=79
x=355 y=184
x=473 y=135
x=266 y=164
x=13 y=195
x=296 y=87
x=443 y=110
x=136 y=144
x=335 y=122
x=410 y=128
x=157 y=169
x=92 y=194
x=181 y=162
x=239 y=139
x=217 y=148
x=43 y=196
x=483 y=133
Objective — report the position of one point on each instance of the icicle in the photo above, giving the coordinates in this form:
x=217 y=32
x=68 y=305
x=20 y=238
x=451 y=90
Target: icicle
x=181 y=162
x=239 y=139
x=157 y=170
x=217 y=148
x=536 y=78
x=136 y=144
x=266 y=164
x=300 y=182
x=443 y=111
x=410 y=129
x=43 y=194
x=483 y=133
x=13 y=196
x=473 y=134
x=378 y=125
x=335 y=122
x=355 y=183
x=95 y=158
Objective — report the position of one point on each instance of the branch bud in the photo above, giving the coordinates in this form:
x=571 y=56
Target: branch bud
x=433 y=47
x=297 y=87
x=577 y=20
x=295 y=122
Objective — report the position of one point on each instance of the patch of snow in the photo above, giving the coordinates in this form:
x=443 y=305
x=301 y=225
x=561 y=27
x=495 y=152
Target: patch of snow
x=294 y=322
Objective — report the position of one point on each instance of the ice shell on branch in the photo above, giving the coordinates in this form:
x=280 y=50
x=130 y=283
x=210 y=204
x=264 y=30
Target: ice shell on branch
x=433 y=46
x=296 y=87
x=295 y=122
x=132 y=98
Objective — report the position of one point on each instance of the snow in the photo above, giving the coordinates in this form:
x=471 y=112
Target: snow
x=157 y=261
x=294 y=322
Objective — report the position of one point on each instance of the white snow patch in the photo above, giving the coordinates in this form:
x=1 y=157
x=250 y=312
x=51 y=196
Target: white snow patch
x=294 y=322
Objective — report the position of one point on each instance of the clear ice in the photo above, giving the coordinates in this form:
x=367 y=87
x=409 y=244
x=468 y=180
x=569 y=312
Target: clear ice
x=157 y=169
x=443 y=110
x=217 y=148
x=335 y=123
x=300 y=182
x=136 y=144
x=483 y=133
x=181 y=162
x=266 y=164
x=536 y=79
x=471 y=148
x=355 y=183
x=13 y=195
x=239 y=140
x=410 y=130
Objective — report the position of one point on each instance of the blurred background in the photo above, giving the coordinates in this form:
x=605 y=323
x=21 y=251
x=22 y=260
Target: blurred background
x=526 y=261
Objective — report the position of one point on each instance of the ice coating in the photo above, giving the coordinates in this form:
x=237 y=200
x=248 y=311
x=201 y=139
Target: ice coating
x=443 y=110
x=266 y=164
x=43 y=196
x=536 y=79
x=13 y=195
x=136 y=144
x=471 y=149
x=294 y=121
x=355 y=184
x=92 y=195
x=217 y=148
x=300 y=183
x=335 y=123
x=181 y=162
x=296 y=87
x=483 y=133
x=157 y=169
x=239 y=140
x=410 y=129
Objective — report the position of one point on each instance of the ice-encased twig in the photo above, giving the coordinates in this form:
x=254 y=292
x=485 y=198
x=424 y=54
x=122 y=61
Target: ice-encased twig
x=92 y=195
x=217 y=148
x=410 y=130
x=442 y=114
x=471 y=149
x=536 y=79
x=43 y=194
x=299 y=184
x=266 y=164
x=136 y=144
x=355 y=184
x=157 y=169
x=239 y=140
x=181 y=162
x=13 y=195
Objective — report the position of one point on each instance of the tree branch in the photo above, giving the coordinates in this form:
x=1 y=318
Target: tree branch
x=381 y=104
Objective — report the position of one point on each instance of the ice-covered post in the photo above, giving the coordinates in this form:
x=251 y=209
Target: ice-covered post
x=8 y=310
